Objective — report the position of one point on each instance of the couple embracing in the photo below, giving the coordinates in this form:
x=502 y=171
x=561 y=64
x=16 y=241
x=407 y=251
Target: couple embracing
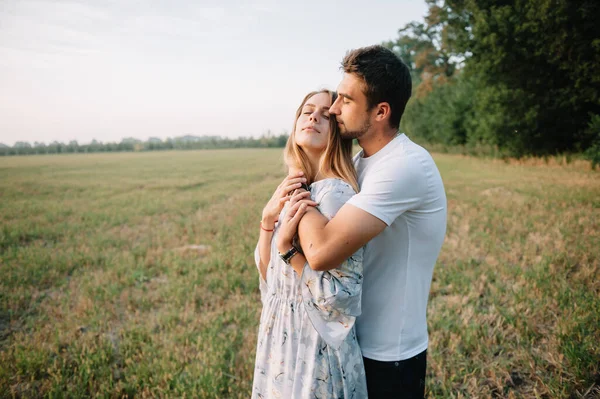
x=347 y=245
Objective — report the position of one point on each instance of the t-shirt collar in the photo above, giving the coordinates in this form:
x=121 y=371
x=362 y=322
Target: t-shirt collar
x=400 y=137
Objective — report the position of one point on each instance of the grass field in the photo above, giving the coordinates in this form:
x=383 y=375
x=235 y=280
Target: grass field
x=132 y=275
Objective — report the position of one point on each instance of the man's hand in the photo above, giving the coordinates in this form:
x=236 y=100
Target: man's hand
x=288 y=227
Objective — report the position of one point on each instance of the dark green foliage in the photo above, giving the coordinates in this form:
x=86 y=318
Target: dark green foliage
x=442 y=117
x=528 y=80
x=541 y=60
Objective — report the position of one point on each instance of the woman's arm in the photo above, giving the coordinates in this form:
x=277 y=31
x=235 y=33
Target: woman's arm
x=270 y=215
x=297 y=262
x=267 y=228
x=289 y=226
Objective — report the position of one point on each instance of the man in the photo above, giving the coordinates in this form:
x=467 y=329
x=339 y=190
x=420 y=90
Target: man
x=399 y=215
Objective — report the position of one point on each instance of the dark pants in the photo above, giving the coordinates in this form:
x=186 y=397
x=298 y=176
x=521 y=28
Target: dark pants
x=402 y=379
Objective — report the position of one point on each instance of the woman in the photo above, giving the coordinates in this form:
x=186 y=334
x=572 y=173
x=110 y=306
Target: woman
x=307 y=346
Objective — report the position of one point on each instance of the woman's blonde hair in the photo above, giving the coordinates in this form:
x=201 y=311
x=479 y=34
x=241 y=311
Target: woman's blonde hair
x=337 y=158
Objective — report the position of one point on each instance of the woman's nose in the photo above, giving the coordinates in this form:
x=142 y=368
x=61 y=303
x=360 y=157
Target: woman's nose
x=314 y=116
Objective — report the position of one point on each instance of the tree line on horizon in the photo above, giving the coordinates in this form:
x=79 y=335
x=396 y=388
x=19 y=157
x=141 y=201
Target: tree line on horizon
x=517 y=77
x=189 y=142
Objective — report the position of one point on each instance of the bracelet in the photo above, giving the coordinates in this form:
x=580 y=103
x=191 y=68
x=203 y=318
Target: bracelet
x=261 y=226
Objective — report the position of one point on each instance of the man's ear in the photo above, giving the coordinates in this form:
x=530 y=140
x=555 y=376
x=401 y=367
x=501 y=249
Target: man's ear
x=383 y=112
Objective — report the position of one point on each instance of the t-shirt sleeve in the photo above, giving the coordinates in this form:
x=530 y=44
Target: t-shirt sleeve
x=392 y=188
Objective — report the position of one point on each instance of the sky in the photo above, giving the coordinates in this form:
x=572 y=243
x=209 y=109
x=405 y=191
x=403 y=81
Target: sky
x=110 y=69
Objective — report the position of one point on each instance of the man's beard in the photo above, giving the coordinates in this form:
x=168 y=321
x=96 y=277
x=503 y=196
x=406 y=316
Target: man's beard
x=356 y=133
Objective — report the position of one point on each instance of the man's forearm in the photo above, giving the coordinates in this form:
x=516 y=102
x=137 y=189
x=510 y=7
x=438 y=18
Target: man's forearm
x=328 y=243
x=315 y=240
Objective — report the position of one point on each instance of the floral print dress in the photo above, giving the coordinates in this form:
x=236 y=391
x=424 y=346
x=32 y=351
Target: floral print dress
x=307 y=346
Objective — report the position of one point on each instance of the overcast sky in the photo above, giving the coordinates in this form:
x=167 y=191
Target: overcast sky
x=109 y=69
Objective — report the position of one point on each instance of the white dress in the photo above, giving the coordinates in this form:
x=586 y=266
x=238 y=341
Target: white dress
x=307 y=345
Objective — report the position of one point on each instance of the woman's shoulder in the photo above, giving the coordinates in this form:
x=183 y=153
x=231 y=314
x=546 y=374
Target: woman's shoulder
x=331 y=190
x=331 y=183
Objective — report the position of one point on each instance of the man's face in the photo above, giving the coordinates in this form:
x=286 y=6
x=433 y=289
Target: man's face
x=350 y=108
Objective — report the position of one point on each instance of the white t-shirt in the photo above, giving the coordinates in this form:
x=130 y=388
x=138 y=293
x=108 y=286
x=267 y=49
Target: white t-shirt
x=401 y=185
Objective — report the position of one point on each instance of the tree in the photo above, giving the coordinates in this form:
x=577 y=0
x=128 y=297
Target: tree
x=538 y=62
x=523 y=76
x=73 y=146
x=428 y=48
x=40 y=148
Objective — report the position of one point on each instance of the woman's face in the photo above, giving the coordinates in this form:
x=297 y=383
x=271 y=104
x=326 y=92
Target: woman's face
x=312 y=126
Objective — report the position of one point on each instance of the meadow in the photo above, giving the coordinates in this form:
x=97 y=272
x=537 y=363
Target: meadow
x=132 y=275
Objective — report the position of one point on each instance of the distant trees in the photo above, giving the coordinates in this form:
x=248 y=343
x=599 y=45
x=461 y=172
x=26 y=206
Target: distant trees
x=520 y=76
x=152 y=144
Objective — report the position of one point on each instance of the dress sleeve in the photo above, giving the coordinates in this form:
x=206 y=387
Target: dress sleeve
x=264 y=288
x=332 y=298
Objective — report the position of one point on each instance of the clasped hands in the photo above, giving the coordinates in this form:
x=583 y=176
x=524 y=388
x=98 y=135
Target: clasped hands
x=298 y=199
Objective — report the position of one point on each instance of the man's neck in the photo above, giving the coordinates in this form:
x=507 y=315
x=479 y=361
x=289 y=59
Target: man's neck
x=371 y=144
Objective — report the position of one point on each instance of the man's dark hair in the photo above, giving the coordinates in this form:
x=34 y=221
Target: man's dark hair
x=386 y=77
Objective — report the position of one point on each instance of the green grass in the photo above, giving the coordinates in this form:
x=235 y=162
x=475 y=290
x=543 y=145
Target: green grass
x=101 y=294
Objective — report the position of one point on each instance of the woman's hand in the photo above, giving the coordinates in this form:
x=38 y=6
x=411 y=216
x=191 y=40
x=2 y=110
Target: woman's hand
x=280 y=196
x=288 y=227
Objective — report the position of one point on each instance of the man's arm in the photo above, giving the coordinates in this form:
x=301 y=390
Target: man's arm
x=328 y=243
x=395 y=187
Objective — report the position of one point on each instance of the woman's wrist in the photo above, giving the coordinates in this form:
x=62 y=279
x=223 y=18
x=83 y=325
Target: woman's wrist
x=268 y=222
x=268 y=230
x=284 y=246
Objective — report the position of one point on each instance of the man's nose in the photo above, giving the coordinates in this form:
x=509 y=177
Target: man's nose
x=334 y=109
